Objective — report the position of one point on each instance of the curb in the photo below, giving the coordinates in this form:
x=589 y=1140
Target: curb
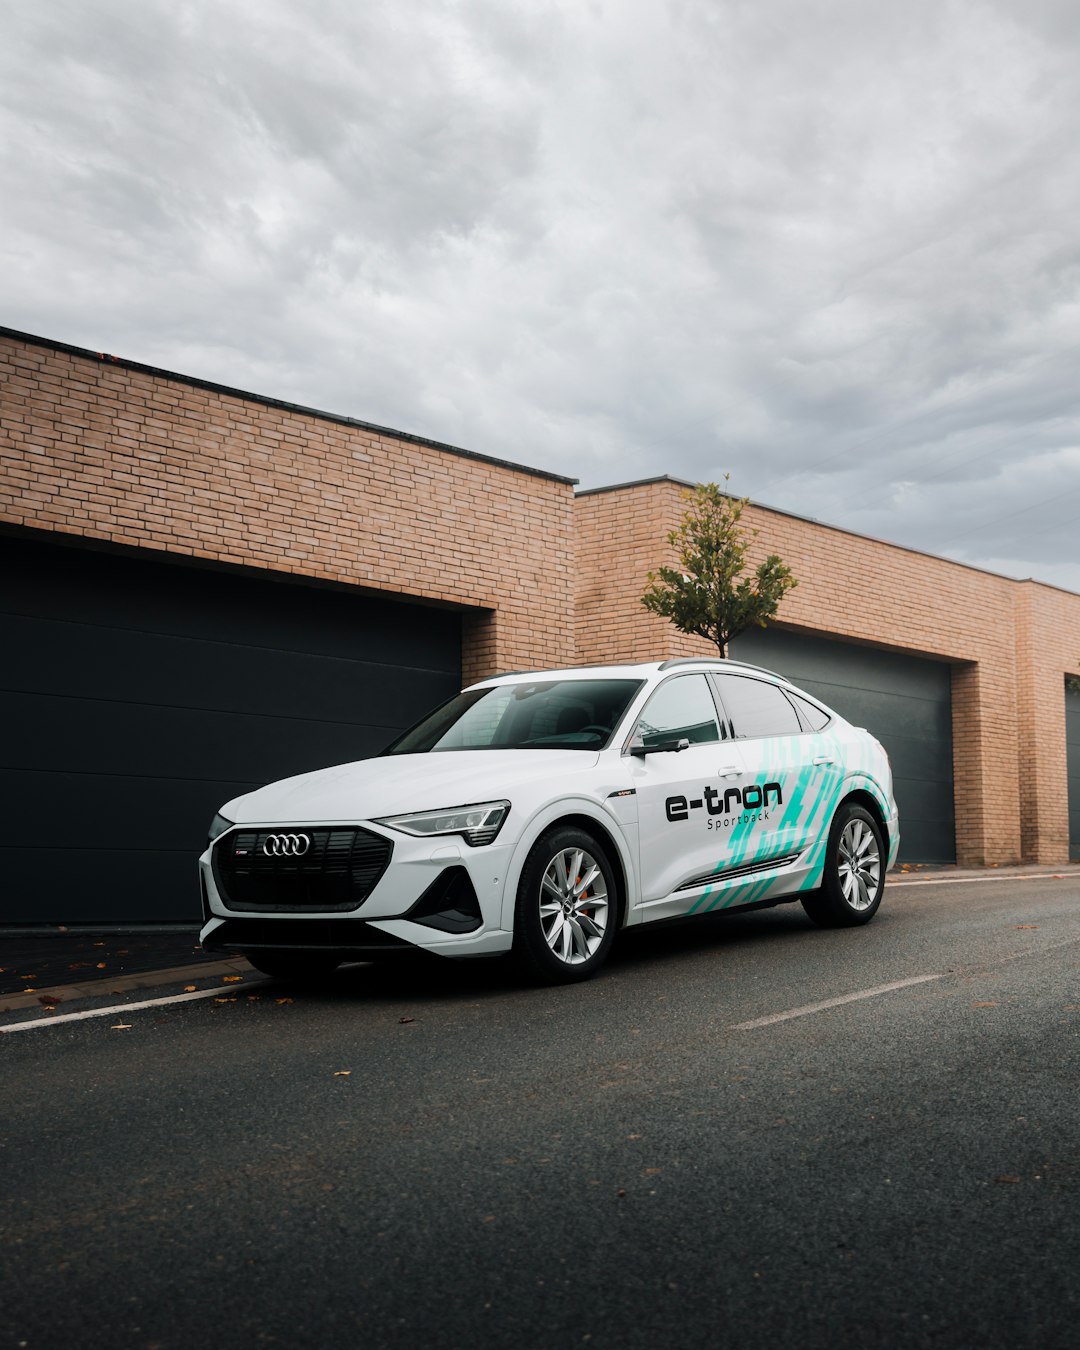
x=947 y=876
x=145 y=979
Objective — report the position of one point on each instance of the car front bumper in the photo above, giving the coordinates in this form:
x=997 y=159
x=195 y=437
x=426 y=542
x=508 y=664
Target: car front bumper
x=415 y=904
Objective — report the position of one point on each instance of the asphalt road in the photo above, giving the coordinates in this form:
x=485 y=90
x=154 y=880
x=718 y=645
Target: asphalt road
x=440 y=1157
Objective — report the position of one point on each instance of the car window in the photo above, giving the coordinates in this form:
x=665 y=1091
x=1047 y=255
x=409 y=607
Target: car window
x=681 y=708
x=815 y=718
x=539 y=715
x=757 y=708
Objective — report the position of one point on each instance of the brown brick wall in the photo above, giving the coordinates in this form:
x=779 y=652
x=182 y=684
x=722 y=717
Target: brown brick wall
x=100 y=449
x=1010 y=645
x=1048 y=646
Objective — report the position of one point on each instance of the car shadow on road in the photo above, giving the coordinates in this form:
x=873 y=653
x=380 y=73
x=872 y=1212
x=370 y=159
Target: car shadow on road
x=422 y=978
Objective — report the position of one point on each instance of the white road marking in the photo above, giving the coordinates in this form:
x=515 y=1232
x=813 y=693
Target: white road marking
x=979 y=881
x=221 y=991
x=834 y=1002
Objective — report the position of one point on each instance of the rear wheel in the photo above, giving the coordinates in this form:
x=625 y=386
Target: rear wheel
x=567 y=907
x=294 y=965
x=854 y=871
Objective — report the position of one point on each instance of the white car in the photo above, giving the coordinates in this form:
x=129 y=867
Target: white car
x=541 y=812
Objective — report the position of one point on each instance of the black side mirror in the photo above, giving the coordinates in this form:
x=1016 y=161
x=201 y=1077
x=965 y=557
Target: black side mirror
x=676 y=743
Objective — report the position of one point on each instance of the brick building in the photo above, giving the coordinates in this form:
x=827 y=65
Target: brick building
x=205 y=589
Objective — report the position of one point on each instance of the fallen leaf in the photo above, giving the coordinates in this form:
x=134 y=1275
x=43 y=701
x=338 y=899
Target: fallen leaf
x=99 y=944
x=1007 y=1181
x=1027 y=925
x=342 y=1073
x=231 y=979
x=47 y=1000
x=988 y=1004
x=121 y=1026
x=653 y=1171
x=283 y=1000
x=189 y=989
x=253 y=998
x=489 y=1218
x=403 y=1020
x=101 y=965
x=28 y=977
x=29 y=991
x=225 y=1000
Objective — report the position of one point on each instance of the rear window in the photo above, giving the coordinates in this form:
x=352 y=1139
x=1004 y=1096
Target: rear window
x=757 y=708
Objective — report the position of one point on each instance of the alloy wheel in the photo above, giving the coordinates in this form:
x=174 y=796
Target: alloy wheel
x=573 y=905
x=859 y=865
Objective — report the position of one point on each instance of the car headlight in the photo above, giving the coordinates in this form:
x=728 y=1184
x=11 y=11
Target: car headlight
x=477 y=824
x=218 y=826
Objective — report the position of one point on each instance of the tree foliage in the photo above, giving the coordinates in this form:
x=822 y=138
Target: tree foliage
x=710 y=593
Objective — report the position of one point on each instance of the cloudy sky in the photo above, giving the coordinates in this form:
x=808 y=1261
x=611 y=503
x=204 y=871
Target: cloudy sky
x=829 y=246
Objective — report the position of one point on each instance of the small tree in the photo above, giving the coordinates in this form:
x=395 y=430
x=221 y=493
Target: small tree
x=707 y=594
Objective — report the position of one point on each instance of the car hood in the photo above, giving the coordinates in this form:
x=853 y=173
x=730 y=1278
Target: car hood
x=397 y=783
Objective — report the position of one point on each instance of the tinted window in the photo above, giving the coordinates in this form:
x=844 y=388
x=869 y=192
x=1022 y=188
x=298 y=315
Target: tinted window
x=757 y=708
x=542 y=715
x=682 y=708
x=810 y=713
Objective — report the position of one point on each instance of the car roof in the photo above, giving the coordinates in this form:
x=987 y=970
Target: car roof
x=640 y=670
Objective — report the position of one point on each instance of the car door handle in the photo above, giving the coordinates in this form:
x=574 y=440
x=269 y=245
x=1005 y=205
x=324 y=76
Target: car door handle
x=730 y=771
x=824 y=759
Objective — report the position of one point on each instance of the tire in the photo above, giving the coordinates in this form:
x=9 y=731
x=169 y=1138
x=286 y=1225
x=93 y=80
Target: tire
x=299 y=966
x=567 y=908
x=854 y=877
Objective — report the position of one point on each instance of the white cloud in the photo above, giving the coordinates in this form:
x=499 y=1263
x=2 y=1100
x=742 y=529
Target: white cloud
x=827 y=246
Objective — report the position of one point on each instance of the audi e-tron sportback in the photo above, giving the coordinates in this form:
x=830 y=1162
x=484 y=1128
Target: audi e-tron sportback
x=541 y=812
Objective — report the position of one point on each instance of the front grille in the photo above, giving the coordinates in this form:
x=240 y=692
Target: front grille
x=336 y=872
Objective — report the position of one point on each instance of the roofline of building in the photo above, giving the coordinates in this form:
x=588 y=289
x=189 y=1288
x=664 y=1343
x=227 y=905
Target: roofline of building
x=195 y=382
x=840 y=529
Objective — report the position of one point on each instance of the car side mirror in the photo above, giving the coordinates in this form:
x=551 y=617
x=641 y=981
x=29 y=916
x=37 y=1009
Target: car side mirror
x=676 y=743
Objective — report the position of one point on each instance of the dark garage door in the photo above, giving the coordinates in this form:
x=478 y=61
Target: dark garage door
x=139 y=695
x=905 y=701
x=1072 y=742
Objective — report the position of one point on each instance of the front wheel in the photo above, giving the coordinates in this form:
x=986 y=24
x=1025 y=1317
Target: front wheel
x=300 y=966
x=854 y=875
x=567 y=907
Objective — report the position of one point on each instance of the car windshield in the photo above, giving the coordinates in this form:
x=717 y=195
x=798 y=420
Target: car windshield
x=538 y=715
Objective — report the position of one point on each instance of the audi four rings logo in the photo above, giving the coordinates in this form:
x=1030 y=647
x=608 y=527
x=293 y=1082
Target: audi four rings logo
x=286 y=845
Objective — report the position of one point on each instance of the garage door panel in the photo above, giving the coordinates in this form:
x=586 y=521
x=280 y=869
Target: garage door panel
x=925 y=800
x=917 y=760
x=62 y=658
x=843 y=664
x=140 y=696
x=905 y=701
x=1072 y=755
x=53 y=811
x=146 y=595
x=936 y=838
x=92 y=736
x=920 y=718
x=98 y=886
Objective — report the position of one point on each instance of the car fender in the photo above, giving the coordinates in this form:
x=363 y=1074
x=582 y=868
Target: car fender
x=543 y=820
x=860 y=780
x=854 y=780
